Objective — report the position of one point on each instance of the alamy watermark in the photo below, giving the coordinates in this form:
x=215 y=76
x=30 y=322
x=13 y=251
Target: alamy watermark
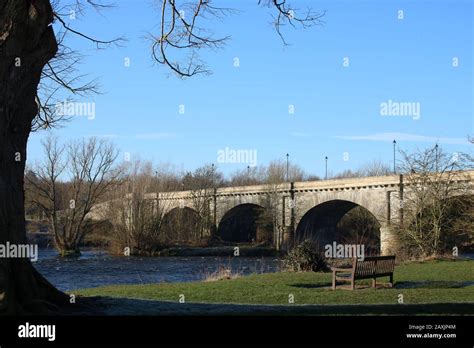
x=19 y=251
x=404 y=109
x=345 y=251
x=37 y=331
x=71 y=109
x=246 y=156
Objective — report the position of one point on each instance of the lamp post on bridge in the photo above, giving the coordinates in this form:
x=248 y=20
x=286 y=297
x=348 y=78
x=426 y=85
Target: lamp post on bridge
x=394 y=159
x=287 y=167
x=326 y=158
x=436 y=157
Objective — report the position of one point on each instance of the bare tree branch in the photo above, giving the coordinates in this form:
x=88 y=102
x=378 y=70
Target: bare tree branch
x=61 y=81
x=97 y=42
x=286 y=14
x=179 y=33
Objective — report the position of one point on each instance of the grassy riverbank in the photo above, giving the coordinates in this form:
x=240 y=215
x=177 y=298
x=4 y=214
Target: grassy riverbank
x=438 y=283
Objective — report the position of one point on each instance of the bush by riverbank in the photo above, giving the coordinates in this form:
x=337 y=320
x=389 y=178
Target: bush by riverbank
x=436 y=282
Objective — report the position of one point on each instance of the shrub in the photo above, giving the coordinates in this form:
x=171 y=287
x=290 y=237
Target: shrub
x=223 y=273
x=305 y=257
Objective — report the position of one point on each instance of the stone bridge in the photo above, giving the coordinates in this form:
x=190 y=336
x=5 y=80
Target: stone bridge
x=299 y=206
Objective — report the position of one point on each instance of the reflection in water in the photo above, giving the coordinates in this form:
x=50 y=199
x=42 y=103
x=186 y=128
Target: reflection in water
x=96 y=268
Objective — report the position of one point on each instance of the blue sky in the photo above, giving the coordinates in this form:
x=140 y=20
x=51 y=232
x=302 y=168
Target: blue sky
x=337 y=108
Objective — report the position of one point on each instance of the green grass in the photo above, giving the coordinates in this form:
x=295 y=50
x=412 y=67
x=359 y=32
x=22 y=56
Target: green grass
x=427 y=282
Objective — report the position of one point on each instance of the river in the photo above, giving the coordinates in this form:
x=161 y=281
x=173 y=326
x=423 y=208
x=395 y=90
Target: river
x=97 y=268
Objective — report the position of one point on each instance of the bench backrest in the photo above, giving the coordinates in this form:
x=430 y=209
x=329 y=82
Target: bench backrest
x=374 y=265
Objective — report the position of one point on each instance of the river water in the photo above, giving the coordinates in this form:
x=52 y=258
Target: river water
x=96 y=268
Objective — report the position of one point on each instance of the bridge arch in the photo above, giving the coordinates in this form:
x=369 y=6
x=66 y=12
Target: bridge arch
x=340 y=221
x=247 y=222
x=182 y=224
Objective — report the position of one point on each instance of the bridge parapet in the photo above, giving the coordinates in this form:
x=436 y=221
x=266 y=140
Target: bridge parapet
x=348 y=184
x=374 y=182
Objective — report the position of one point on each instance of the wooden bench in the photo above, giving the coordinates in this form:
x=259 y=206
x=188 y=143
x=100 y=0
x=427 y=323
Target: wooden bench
x=371 y=268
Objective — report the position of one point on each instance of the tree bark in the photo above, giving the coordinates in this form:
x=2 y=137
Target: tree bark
x=27 y=43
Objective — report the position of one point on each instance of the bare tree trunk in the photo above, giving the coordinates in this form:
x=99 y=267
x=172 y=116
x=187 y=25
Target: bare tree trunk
x=27 y=43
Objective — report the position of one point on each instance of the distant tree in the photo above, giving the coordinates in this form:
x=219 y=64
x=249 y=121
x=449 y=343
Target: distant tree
x=469 y=157
x=346 y=174
x=313 y=177
x=276 y=172
x=167 y=178
x=203 y=177
x=201 y=184
x=275 y=180
x=247 y=176
x=374 y=168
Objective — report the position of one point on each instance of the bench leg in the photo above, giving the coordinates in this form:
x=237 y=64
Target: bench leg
x=374 y=283
x=391 y=280
x=352 y=283
x=334 y=280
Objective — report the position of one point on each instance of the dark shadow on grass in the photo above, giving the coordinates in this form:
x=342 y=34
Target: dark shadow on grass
x=313 y=286
x=341 y=285
x=397 y=285
x=433 y=285
x=127 y=306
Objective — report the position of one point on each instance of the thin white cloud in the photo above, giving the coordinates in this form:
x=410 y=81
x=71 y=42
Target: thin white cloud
x=299 y=134
x=155 y=136
x=404 y=137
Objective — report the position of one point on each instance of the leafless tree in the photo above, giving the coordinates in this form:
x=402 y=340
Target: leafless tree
x=374 y=168
x=435 y=186
x=276 y=171
x=136 y=209
x=248 y=176
x=89 y=166
x=202 y=185
x=277 y=178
